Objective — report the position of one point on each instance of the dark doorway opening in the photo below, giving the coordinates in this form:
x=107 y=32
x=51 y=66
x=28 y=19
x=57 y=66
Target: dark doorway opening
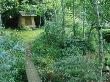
x=10 y=19
x=39 y=21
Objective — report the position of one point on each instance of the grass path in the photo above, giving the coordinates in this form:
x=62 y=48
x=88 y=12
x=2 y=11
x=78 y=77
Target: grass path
x=28 y=37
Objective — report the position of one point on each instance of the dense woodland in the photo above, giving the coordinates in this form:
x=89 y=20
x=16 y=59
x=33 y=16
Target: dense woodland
x=70 y=43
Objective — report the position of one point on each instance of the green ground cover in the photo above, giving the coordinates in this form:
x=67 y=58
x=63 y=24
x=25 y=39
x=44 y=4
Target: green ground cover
x=26 y=35
x=50 y=58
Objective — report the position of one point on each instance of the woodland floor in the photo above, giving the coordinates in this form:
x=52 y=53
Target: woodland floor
x=27 y=37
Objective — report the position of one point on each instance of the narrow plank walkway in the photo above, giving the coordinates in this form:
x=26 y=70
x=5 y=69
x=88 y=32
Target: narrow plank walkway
x=28 y=37
x=31 y=71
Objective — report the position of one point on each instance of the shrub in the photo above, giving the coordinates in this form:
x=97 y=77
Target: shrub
x=63 y=64
x=11 y=54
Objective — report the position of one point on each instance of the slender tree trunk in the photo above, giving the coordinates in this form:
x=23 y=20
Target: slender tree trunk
x=63 y=21
x=73 y=12
x=84 y=10
x=84 y=50
x=55 y=14
x=99 y=29
x=101 y=54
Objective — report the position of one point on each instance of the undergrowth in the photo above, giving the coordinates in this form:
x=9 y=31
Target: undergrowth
x=66 y=64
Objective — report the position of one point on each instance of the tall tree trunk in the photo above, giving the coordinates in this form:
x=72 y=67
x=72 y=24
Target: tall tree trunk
x=55 y=13
x=84 y=10
x=99 y=29
x=63 y=22
x=84 y=49
x=73 y=12
x=101 y=54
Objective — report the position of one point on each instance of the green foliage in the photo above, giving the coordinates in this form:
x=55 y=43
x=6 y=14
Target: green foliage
x=42 y=48
x=105 y=14
x=11 y=51
x=77 y=66
x=92 y=42
x=8 y=5
x=53 y=32
x=55 y=53
x=38 y=8
x=67 y=63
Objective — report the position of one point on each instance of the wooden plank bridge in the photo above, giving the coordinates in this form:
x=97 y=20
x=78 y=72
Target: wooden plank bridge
x=32 y=74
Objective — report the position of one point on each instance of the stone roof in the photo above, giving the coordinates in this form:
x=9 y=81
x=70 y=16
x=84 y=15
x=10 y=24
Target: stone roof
x=23 y=13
